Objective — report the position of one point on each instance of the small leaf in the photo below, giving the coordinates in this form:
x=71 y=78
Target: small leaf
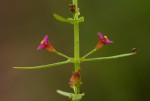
x=81 y=19
x=60 y=18
x=77 y=97
x=72 y=96
x=65 y=93
x=71 y=20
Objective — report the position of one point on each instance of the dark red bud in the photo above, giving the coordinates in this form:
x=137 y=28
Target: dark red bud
x=72 y=7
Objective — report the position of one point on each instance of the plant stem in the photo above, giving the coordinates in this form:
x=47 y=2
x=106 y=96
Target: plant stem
x=76 y=47
x=75 y=2
x=44 y=66
x=108 y=58
x=76 y=43
x=61 y=54
x=76 y=38
x=91 y=52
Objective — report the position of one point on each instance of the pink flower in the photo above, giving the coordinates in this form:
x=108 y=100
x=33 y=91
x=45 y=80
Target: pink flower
x=102 y=41
x=46 y=45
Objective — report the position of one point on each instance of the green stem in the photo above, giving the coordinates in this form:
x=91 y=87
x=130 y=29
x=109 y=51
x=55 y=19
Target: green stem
x=76 y=43
x=76 y=38
x=75 y=2
x=44 y=66
x=108 y=58
x=76 y=47
x=61 y=54
x=91 y=52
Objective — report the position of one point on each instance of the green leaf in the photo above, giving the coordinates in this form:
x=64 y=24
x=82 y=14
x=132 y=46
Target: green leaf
x=68 y=20
x=71 y=20
x=72 y=96
x=65 y=93
x=81 y=19
x=60 y=18
x=76 y=97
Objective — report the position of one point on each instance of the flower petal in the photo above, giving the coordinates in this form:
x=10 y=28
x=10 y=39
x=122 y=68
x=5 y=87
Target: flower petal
x=100 y=36
x=108 y=41
x=45 y=39
x=41 y=46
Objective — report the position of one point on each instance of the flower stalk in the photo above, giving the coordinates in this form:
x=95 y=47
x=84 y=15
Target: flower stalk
x=107 y=58
x=91 y=52
x=45 y=66
x=63 y=55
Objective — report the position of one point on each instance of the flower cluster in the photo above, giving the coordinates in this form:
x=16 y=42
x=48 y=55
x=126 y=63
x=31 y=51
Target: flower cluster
x=45 y=44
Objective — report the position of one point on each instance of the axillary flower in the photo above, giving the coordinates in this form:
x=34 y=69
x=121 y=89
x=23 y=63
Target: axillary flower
x=102 y=41
x=45 y=44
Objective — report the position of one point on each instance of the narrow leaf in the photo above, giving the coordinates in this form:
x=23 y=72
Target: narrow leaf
x=81 y=19
x=72 y=96
x=60 y=18
x=77 y=97
x=71 y=20
x=65 y=93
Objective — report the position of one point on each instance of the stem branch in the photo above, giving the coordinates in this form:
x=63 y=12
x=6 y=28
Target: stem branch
x=108 y=58
x=91 y=52
x=61 y=54
x=44 y=66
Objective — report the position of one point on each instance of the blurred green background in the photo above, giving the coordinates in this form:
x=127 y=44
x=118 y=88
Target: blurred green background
x=23 y=24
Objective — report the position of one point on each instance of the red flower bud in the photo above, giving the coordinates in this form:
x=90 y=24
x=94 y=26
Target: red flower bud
x=75 y=80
